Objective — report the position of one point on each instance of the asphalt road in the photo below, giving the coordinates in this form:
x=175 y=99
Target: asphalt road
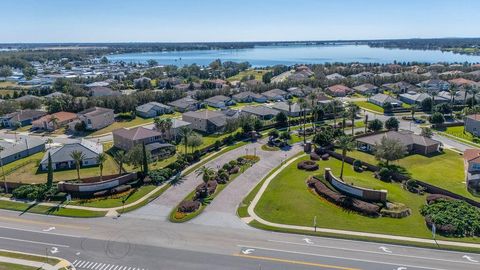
x=135 y=243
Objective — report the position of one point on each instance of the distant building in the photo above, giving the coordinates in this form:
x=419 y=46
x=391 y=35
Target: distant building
x=366 y=89
x=472 y=124
x=415 y=144
x=275 y=95
x=334 y=76
x=96 y=118
x=219 y=101
x=21 y=118
x=248 y=96
x=471 y=159
x=102 y=91
x=399 y=87
x=261 y=112
x=126 y=139
x=339 y=90
x=293 y=110
x=185 y=104
x=152 y=109
x=206 y=121
x=382 y=99
x=23 y=147
x=54 y=121
x=414 y=98
x=435 y=85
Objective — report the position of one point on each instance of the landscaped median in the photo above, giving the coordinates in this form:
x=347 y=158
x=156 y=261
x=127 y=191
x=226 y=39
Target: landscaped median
x=283 y=202
x=214 y=183
x=10 y=260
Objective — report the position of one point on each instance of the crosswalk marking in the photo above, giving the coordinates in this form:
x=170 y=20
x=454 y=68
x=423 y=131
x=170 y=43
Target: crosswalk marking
x=81 y=264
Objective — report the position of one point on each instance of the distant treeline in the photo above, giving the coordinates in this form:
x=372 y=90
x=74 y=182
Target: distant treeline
x=457 y=45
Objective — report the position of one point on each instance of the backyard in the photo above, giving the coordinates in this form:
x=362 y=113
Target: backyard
x=288 y=200
x=369 y=106
x=444 y=170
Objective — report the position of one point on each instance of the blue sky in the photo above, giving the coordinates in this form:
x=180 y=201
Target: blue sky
x=229 y=20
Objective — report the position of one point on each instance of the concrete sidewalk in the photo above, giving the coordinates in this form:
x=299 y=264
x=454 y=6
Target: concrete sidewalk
x=254 y=216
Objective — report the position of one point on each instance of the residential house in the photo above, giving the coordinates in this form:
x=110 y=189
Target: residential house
x=102 y=91
x=206 y=121
x=185 y=104
x=27 y=98
x=299 y=92
x=153 y=109
x=51 y=122
x=293 y=110
x=21 y=118
x=62 y=156
x=275 y=95
x=381 y=99
x=248 y=96
x=472 y=124
x=414 y=98
x=334 y=76
x=461 y=82
x=367 y=89
x=338 y=90
x=471 y=161
x=126 y=139
x=262 y=112
x=174 y=132
x=435 y=85
x=96 y=118
x=13 y=150
x=415 y=144
x=57 y=95
x=399 y=87
x=363 y=75
x=219 y=101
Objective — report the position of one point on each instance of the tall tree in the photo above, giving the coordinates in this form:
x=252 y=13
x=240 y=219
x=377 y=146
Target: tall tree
x=50 y=171
x=101 y=159
x=389 y=150
x=346 y=144
x=121 y=158
x=185 y=132
x=303 y=106
x=77 y=157
x=144 y=160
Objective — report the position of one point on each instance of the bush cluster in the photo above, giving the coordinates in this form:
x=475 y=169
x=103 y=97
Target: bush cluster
x=344 y=201
x=308 y=165
x=34 y=192
x=452 y=217
x=188 y=206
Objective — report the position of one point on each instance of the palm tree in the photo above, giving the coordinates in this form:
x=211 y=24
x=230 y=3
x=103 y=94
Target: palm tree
x=77 y=157
x=121 y=158
x=207 y=174
x=168 y=126
x=3 y=171
x=335 y=104
x=346 y=144
x=352 y=111
x=290 y=103
x=54 y=121
x=434 y=94
x=101 y=158
x=185 y=132
x=303 y=105
x=453 y=91
x=413 y=109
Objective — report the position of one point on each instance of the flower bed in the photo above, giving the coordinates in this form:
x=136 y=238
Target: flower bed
x=204 y=193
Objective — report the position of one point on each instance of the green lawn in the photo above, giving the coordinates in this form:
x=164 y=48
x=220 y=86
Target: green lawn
x=208 y=140
x=459 y=132
x=287 y=200
x=369 y=106
x=443 y=170
x=126 y=124
x=21 y=256
x=117 y=199
x=257 y=73
x=10 y=266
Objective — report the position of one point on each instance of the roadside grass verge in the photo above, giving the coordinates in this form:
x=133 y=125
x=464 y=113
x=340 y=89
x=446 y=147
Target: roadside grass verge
x=28 y=257
x=11 y=266
x=47 y=210
x=116 y=200
x=145 y=202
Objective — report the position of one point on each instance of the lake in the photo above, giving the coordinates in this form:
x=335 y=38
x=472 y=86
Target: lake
x=261 y=56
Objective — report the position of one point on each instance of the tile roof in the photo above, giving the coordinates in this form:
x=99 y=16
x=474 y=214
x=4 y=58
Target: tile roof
x=138 y=133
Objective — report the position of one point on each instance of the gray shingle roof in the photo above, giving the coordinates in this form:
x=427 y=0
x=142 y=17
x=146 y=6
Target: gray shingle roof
x=62 y=154
x=11 y=148
x=259 y=110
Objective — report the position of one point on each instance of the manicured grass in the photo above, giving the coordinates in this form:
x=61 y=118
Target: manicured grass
x=117 y=199
x=288 y=200
x=459 y=132
x=10 y=266
x=31 y=174
x=267 y=147
x=258 y=73
x=22 y=162
x=369 y=106
x=208 y=140
x=126 y=124
x=145 y=202
x=207 y=201
x=46 y=210
x=21 y=256
x=444 y=170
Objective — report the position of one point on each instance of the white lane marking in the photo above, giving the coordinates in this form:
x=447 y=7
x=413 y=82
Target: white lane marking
x=115 y=267
x=401 y=268
x=33 y=242
x=54 y=250
x=74 y=262
x=339 y=257
x=103 y=266
x=34 y=231
x=88 y=265
x=385 y=249
x=370 y=252
x=111 y=267
x=469 y=259
x=83 y=262
x=307 y=240
x=93 y=266
x=100 y=265
x=248 y=251
x=49 y=229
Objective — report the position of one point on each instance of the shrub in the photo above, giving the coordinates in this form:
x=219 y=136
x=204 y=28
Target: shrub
x=222 y=176
x=413 y=186
x=452 y=217
x=357 y=163
x=308 y=165
x=432 y=198
x=384 y=174
x=31 y=192
x=233 y=163
x=314 y=156
x=202 y=192
x=227 y=166
x=188 y=206
x=217 y=145
x=234 y=170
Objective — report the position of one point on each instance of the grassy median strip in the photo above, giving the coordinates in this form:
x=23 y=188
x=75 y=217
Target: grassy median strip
x=11 y=266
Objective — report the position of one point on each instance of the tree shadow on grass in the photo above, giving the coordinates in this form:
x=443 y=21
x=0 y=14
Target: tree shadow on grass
x=30 y=206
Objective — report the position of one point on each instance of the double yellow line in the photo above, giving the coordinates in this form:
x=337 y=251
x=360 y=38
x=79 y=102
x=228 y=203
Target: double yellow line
x=327 y=266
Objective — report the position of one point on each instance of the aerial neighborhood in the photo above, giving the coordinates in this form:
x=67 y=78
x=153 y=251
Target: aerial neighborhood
x=392 y=139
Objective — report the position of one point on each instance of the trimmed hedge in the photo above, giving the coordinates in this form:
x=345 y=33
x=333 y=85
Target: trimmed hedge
x=307 y=165
x=188 y=206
